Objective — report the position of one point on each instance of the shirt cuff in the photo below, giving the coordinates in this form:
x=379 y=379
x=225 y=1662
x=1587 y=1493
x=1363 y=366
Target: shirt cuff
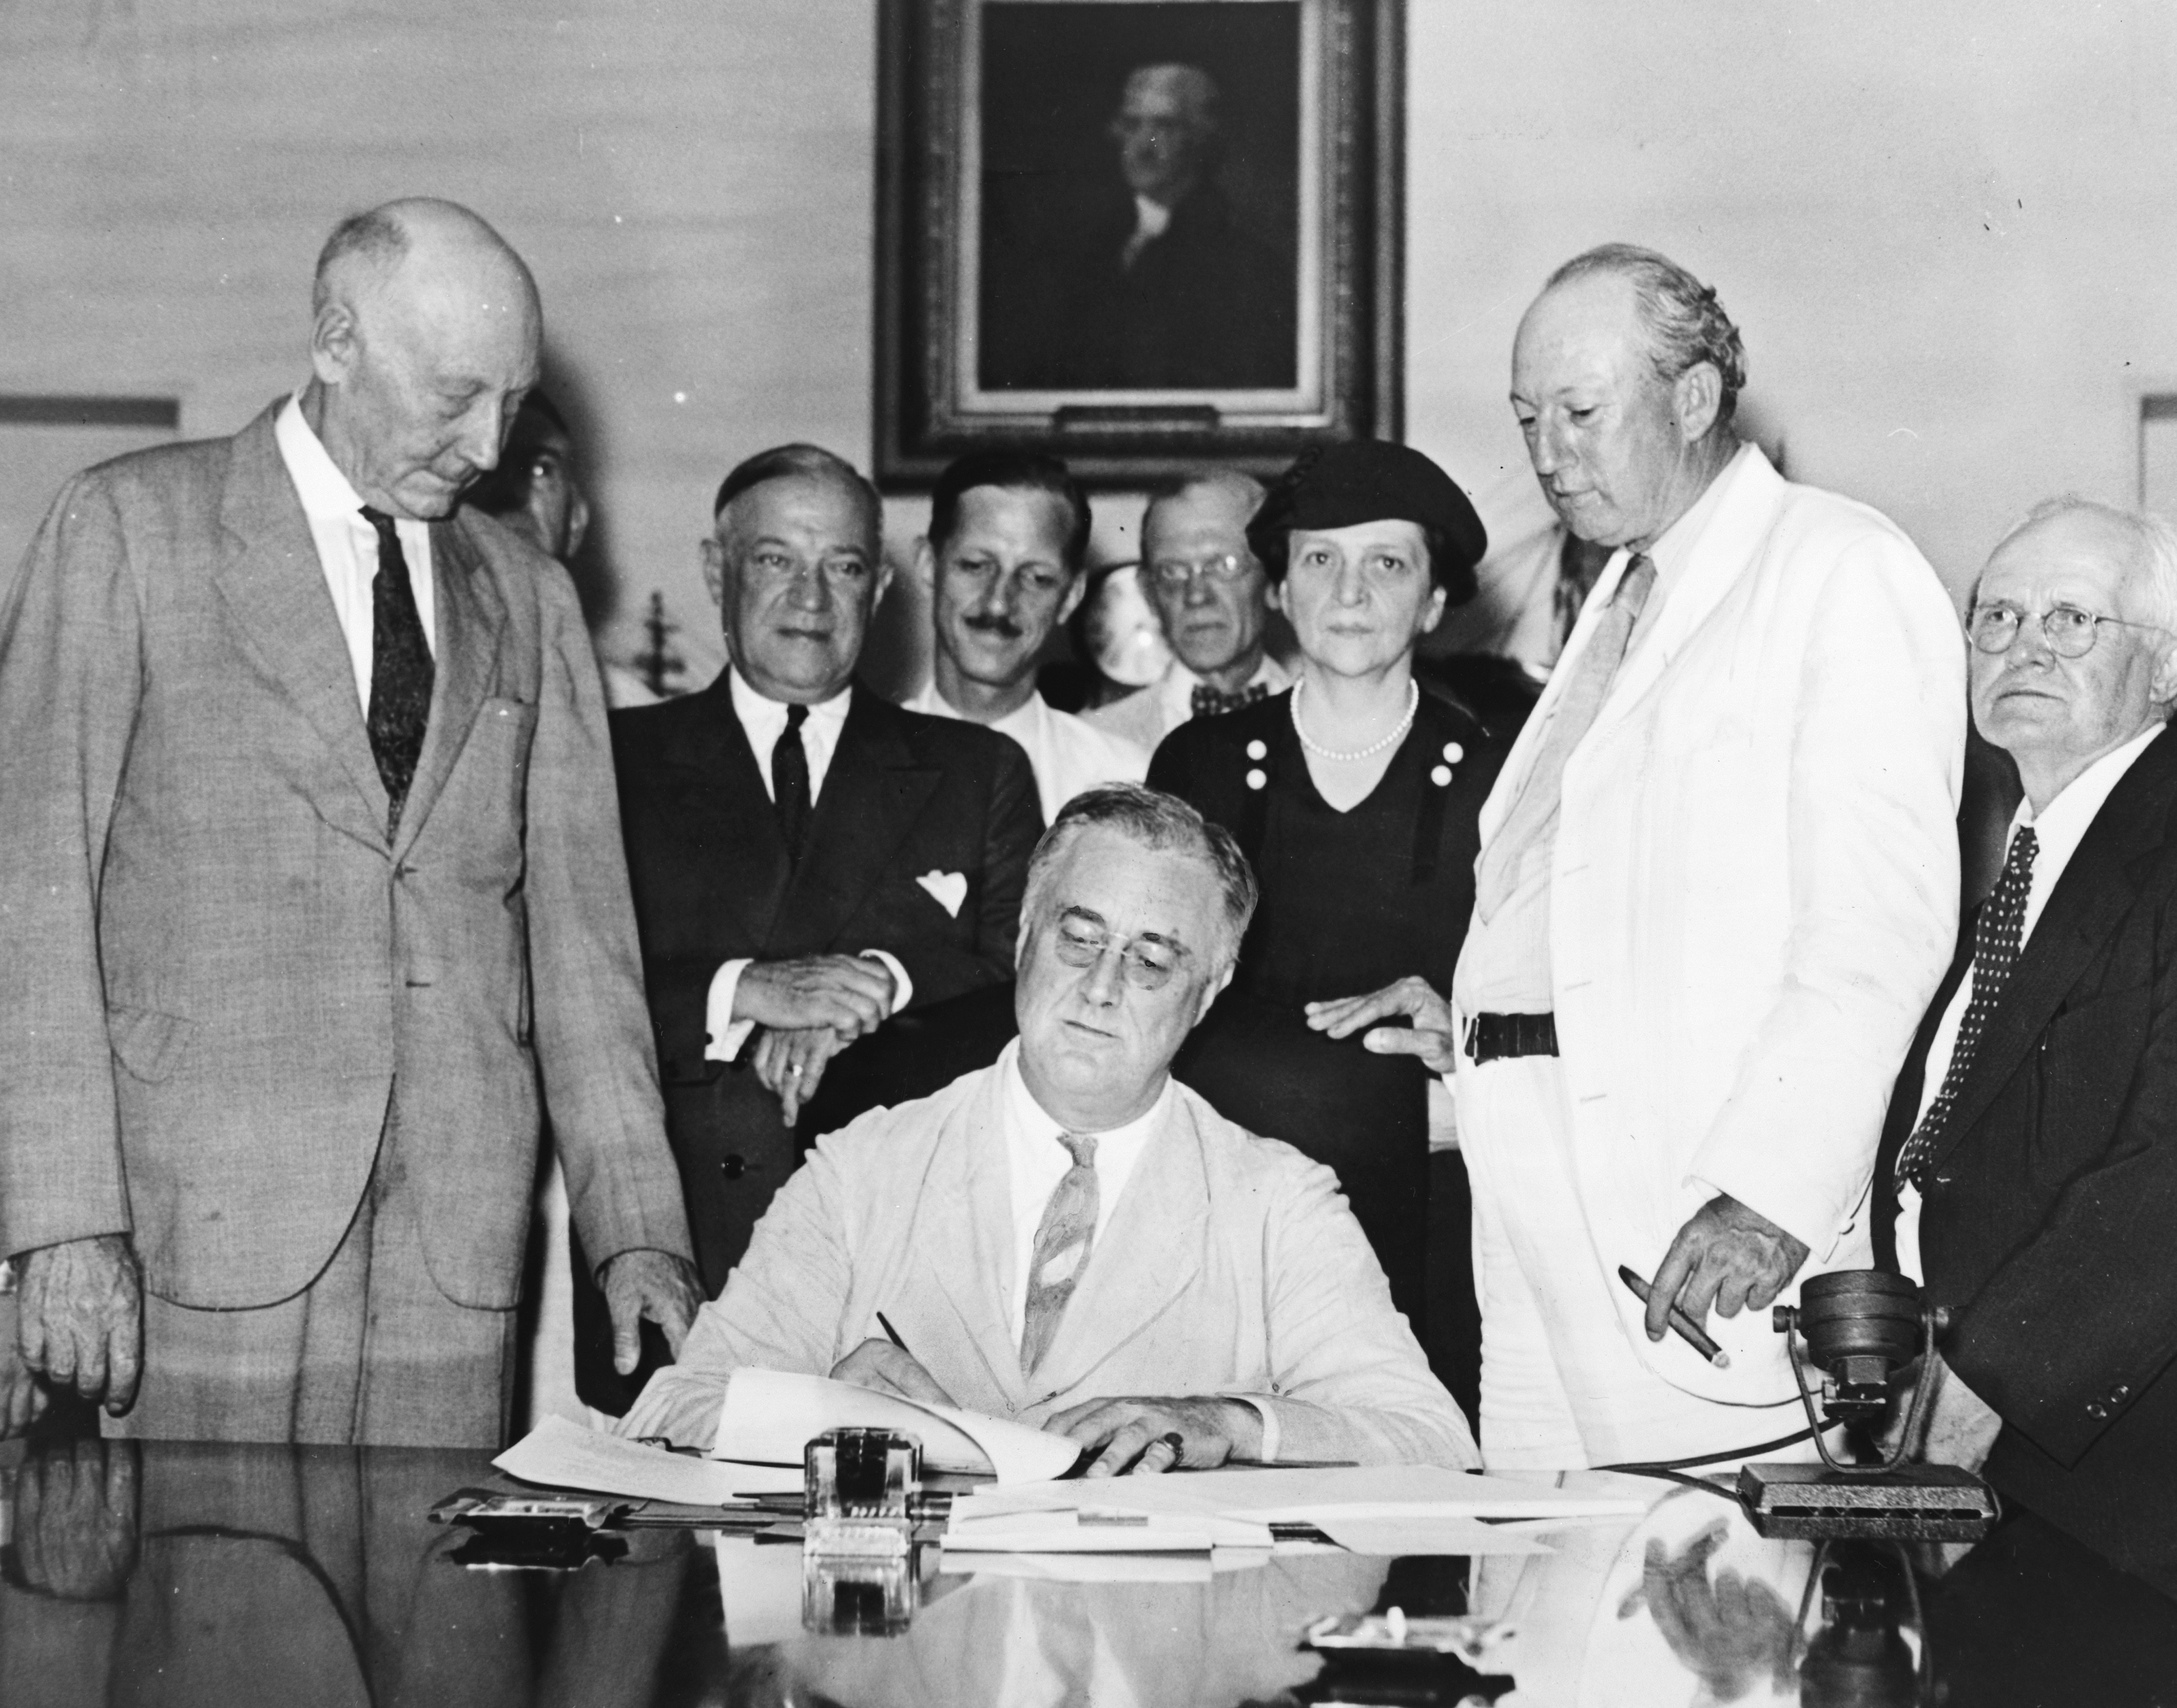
x=726 y=1033
x=1267 y=1452
x=903 y=991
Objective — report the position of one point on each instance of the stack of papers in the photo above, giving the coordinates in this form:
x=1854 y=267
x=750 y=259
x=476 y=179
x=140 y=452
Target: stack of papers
x=1376 y=1509
x=771 y=1416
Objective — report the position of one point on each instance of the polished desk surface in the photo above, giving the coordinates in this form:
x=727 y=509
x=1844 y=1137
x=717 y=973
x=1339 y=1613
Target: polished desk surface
x=195 y=1573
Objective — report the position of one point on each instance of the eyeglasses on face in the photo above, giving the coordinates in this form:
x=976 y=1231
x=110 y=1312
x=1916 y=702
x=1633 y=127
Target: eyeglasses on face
x=1147 y=964
x=2066 y=631
x=1176 y=573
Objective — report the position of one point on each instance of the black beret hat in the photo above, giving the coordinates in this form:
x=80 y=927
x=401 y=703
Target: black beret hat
x=1367 y=480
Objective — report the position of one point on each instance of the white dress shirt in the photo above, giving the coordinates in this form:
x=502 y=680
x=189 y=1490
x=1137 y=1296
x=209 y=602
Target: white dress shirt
x=1035 y=1163
x=347 y=545
x=1067 y=754
x=764 y=721
x=2057 y=832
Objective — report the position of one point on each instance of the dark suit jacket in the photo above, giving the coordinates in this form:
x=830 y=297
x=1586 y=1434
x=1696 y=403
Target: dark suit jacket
x=2047 y=1226
x=905 y=796
x=223 y=977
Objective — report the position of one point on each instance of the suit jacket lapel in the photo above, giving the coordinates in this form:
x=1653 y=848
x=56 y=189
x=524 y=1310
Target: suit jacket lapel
x=728 y=818
x=1728 y=543
x=964 y=1239
x=471 y=621
x=1143 y=1262
x=873 y=791
x=2090 y=901
x=274 y=585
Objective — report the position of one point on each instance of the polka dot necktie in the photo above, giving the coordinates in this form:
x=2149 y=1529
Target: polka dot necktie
x=400 y=669
x=1062 y=1240
x=1997 y=936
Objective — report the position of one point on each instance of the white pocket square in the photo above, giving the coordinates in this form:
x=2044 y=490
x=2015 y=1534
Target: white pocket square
x=947 y=889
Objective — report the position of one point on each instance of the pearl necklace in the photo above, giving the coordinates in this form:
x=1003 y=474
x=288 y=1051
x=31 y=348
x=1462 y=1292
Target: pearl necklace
x=1397 y=735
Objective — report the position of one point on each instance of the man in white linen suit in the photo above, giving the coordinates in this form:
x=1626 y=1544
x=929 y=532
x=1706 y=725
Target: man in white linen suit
x=1072 y=1239
x=1717 y=885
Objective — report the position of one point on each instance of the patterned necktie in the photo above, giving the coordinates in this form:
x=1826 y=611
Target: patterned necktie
x=400 y=669
x=1588 y=686
x=1997 y=935
x=789 y=782
x=1208 y=702
x=1062 y=1240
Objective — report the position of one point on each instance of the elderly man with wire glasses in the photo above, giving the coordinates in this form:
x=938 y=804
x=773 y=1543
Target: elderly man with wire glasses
x=1213 y=600
x=2030 y=1158
x=1070 y=1237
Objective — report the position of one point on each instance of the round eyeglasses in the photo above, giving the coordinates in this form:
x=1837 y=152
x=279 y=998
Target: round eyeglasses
x=1146 y=961
x=1175 y=573
x=2065 y=629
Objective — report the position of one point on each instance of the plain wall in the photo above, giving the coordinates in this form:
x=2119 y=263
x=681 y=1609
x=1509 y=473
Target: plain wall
x=1944 y=228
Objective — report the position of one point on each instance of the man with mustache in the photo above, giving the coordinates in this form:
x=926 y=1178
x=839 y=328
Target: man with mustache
x=808 y=860
x=1008 y=534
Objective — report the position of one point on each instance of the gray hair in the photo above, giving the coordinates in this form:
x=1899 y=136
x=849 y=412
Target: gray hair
x=376 y=239
x=2154 y=539
x=803 y=461
x=1685 y=322
x=1243 y=487
x=1156 y=821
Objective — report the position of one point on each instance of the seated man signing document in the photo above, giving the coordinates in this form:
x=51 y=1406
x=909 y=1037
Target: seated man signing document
x=1070 y=1239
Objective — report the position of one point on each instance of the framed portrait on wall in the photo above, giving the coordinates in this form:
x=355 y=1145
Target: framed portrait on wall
x=1138 y=233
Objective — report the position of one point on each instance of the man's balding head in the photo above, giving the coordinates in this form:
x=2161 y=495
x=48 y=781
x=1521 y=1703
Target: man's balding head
x=425 y=339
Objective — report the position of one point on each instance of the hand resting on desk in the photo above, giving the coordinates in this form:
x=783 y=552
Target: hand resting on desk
x=1130 y=1433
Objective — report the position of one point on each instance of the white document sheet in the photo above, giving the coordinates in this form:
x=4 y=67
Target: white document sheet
x=1395 y=1538
x=770 y=1414
x=561 y=1455
x=1307 y=1497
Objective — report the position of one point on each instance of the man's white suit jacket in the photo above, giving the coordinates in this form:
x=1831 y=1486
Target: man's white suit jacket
x=1754 y=885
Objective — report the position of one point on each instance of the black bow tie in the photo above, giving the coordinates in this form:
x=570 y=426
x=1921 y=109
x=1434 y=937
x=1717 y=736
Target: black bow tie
x=1210 y=701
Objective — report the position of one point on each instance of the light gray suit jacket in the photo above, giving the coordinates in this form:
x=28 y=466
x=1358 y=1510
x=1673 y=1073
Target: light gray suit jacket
x=221 y=979
x=1230 y=1265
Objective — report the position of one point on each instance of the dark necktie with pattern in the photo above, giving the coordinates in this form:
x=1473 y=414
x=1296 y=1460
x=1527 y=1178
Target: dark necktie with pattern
x=789 y=782
x=1997 y=935
x=1062 y=1240
x=1208 y=702
x=401 y=670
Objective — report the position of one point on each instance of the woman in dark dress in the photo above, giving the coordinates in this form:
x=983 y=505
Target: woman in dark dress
x=1355 y=796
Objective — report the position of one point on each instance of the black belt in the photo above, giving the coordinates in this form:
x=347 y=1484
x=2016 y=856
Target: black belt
x=1492 y=1037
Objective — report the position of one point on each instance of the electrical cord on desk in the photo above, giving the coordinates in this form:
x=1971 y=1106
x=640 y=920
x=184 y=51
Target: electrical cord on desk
x=1674 y=1470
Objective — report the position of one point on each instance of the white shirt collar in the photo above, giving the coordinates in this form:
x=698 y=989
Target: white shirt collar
x=763 y=716
x=1024 y=723
x=1670 y=550
x=2062 y=826
x=1180 y=684
x=325 y=491
x=1151 y=219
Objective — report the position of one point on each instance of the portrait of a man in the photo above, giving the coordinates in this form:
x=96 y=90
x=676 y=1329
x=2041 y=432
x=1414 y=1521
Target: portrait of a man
x=1139 y=209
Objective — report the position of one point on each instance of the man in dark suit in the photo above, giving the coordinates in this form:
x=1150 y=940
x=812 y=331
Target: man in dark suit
x=807 y=859
x=311 y=898
x=2030 y=1156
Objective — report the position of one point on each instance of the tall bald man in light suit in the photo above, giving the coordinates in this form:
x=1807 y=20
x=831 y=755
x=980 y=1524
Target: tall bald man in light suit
x=312 y=897
x=1717 y=885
